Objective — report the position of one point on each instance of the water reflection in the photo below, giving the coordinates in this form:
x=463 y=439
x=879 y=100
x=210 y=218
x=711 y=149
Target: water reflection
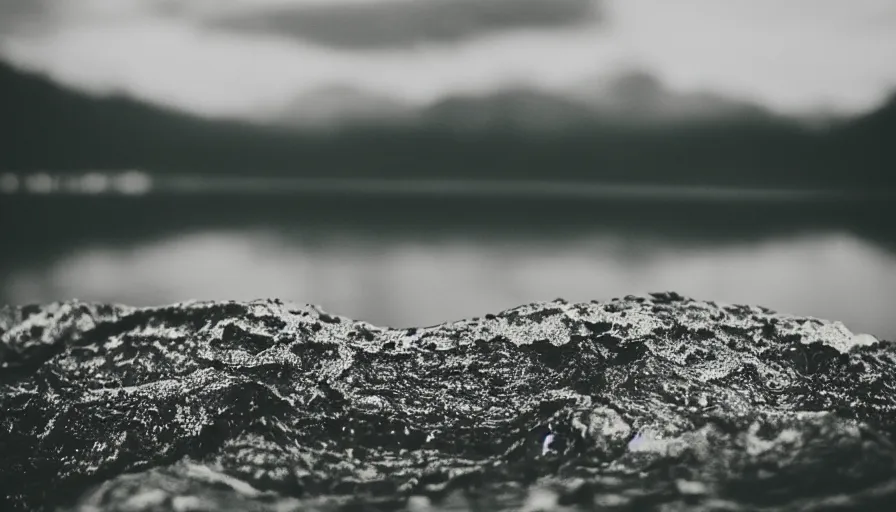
x=402 y=279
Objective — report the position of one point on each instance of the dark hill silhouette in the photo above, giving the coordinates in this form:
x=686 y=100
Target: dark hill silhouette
x=865 y=145
x=49 y=127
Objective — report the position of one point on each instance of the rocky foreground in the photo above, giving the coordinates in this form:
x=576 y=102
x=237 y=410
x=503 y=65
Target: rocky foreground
x=659 y=403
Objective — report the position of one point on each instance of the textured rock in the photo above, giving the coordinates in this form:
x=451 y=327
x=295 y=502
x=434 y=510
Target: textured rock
x=638 y=403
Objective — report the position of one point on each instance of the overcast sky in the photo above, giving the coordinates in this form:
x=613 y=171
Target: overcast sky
x=239 y=57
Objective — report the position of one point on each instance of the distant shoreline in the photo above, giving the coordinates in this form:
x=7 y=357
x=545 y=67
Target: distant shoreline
x=137 y=183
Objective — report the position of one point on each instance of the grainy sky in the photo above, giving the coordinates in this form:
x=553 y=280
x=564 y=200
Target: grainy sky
x=239 y=57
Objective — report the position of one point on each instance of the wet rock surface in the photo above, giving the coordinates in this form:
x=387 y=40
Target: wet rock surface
x=641 y=403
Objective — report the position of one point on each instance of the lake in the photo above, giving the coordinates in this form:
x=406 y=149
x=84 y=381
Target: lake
x=406 y=257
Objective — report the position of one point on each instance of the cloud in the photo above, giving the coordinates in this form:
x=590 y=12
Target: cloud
x=181 y=53
x=398 y=23
x=21 y=16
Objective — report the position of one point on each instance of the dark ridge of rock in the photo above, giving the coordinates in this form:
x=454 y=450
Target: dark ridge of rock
x=640 y=403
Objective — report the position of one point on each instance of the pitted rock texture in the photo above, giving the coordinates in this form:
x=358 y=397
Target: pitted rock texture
x=641 y=403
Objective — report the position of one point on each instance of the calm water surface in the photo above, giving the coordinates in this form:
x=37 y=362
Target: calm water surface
x=403 y=261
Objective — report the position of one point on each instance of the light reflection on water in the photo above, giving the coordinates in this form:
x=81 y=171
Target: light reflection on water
x=403 y=281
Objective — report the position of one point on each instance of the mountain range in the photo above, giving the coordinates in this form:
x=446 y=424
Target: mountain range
x=634 y=132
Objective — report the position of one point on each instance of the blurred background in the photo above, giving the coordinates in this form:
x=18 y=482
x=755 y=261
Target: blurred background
x=409 y=162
